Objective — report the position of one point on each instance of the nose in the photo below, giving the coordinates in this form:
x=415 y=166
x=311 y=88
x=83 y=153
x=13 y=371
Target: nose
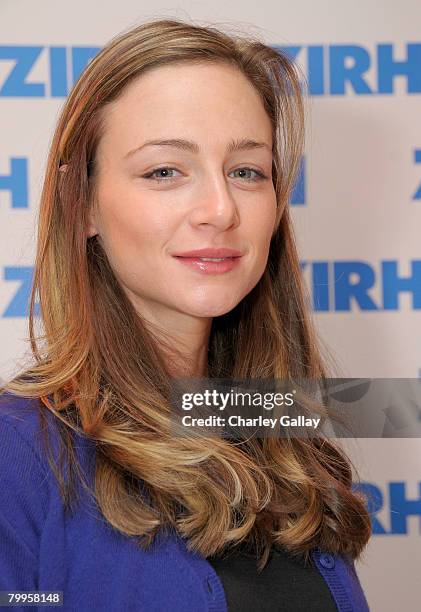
x=214 y=203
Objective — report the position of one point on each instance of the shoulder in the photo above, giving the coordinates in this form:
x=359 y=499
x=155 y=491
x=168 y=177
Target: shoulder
x=23 y=427
x=20 y=425
x=19 y=413
x=34 y=463
x=23 y=474
x=25 y=424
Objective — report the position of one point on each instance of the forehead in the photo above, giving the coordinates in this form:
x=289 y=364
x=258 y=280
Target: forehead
x=199 y=100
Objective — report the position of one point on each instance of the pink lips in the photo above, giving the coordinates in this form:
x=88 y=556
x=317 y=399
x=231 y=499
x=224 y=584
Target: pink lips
x=210 y=252
x=230 y=259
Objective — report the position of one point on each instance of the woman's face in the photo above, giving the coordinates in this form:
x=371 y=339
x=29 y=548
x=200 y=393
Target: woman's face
x=207 y=185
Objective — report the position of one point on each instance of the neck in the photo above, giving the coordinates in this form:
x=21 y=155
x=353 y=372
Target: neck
x=183 y=340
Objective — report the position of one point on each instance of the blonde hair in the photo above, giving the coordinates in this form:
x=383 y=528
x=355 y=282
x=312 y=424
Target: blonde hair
x=102 y=373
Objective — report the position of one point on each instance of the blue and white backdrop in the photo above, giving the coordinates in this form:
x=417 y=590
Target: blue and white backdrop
x=357 y=206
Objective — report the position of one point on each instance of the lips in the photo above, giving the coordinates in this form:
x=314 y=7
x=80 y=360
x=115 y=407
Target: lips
x=212 y=253
x=212 y=261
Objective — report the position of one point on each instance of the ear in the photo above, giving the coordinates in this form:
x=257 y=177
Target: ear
x=92 y=229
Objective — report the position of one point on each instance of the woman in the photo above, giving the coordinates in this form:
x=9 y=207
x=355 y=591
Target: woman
x=176 y=139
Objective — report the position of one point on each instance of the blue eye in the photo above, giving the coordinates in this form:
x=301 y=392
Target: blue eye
x=259 y=174
x=166 y=175
x=165 y=169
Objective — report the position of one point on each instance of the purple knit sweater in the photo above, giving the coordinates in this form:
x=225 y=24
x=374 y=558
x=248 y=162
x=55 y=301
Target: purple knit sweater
x=96 y=567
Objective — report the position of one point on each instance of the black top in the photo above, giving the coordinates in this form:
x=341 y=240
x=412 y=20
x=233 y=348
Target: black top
x=285 y=584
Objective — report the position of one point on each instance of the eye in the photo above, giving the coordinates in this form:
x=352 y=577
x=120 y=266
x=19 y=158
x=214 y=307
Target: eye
x=164 y=174
x=245 y=173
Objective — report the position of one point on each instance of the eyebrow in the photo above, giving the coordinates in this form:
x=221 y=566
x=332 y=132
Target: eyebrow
x=244 y=144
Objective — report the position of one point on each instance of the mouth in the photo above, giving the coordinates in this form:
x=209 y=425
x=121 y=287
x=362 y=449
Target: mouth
x=207 y=258
x=210 y=265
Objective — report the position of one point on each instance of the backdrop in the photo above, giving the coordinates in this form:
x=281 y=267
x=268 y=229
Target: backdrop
x=356 y=208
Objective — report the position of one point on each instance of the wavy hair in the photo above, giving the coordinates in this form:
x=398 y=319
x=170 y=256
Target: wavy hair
x=102 y=372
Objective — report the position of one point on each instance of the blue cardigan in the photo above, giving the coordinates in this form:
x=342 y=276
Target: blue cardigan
x=96 y=567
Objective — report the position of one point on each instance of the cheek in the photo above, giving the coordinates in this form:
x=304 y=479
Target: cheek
x=133 y=233
x=262 y=224
x=132 y=223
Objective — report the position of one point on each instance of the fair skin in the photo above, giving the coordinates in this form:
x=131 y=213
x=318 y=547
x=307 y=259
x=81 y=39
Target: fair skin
x=212 y=197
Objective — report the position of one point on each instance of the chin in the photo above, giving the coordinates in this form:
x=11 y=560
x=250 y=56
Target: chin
x=212 y=310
